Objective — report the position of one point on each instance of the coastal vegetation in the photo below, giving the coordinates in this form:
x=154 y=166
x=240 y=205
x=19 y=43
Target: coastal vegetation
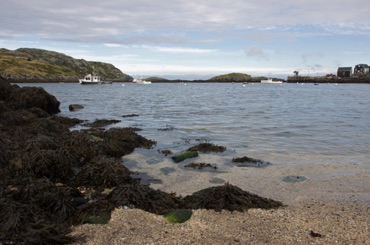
x=38 y=65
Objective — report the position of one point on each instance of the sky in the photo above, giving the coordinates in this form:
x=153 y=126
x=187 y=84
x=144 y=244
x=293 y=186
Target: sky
x=188 y=39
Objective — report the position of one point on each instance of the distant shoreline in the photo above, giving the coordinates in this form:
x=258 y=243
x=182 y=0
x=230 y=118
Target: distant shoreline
x=176 y=81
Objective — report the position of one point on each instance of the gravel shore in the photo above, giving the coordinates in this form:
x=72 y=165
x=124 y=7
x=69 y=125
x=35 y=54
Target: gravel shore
x=335 y=210
x=309 y=222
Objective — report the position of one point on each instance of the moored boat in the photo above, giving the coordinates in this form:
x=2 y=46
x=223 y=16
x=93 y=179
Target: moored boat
x=92 y=79
x=140 y=81
x=270 y=81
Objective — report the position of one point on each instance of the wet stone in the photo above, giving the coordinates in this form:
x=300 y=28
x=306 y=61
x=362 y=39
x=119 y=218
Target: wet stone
x=216 y=181
x=294 y=178
x=178 y=215
x=184 y=155
x=167 y=170
x=153 y=160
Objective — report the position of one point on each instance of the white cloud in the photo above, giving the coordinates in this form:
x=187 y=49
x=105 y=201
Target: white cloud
x=112 y=45
x=179 y=50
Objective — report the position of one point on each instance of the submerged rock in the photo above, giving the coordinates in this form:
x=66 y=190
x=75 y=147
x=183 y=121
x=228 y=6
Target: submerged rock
x=184 y=155
x=75 y=107
x=249 y=162
x=207 y=147
x=294 y=178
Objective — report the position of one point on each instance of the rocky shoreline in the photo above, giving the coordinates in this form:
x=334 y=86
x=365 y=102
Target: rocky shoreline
x=54 y=178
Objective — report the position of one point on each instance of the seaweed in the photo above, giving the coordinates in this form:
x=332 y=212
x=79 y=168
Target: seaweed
x=103 y=172
x=207 y=147
x=200 y=166
x=99 y=123
x=228 y=197
x=145 y=198
x=249 y=162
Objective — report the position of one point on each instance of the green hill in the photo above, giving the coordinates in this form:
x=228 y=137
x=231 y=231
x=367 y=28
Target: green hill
x=27 y=64
x=232 y=77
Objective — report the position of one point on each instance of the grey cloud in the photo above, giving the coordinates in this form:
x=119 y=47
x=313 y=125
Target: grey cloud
x=99 y=20
x=256 y=52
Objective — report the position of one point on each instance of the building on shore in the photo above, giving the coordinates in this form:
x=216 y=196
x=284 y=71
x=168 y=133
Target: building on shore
x=344 y=72
x=361 y=70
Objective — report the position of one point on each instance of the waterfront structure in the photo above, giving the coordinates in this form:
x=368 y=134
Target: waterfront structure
x=344 y=72
x=361 y=69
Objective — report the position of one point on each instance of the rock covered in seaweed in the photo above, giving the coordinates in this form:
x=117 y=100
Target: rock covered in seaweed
x=207 y=147
x=145 y=198
x=228 y=197
x=28 y=97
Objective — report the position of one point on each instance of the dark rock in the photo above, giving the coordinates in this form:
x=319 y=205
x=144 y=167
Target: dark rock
x=207 y=147
x=74 y=107
x=131 y=115
x=5 y=88
x=29 y=97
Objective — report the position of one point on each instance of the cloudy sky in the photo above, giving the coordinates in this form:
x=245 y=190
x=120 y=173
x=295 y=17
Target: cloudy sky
x=195 y=39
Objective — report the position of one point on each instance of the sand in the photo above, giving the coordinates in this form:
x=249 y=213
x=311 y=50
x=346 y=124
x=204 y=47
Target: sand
x=328 y=208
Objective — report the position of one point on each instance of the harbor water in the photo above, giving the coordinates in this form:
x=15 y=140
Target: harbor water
x=298 y=128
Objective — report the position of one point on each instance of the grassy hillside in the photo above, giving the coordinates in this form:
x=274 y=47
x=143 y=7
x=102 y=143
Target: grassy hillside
x=38 y=64
x=232 y=77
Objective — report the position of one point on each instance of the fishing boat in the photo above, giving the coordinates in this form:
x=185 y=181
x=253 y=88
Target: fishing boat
x=270 y=81
x=140 y=81
x=92 y=79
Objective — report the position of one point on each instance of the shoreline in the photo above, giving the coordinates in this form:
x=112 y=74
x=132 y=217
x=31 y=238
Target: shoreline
x=319 y=210
x=308 y=222
x=44 y=135
x=314 y=80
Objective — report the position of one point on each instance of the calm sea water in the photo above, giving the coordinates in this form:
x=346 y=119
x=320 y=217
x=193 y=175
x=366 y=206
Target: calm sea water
x=289 y=124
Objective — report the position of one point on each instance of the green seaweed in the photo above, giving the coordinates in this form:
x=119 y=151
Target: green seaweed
x=184 y=155
x=178 y=215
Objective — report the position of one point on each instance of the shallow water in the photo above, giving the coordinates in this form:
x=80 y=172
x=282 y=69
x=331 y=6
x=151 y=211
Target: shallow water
x=287 y=125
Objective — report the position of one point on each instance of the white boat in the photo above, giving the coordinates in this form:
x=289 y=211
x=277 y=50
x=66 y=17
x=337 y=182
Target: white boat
x=270 y=81
x=140 y=81
x=92 y=79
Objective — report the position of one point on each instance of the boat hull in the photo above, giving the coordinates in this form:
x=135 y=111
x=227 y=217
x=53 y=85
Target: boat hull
x=271 y=81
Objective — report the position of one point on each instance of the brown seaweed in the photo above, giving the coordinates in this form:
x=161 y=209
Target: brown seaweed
x=103 y=172
x=145 y=198
x=228 y=197
x=207 y=147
